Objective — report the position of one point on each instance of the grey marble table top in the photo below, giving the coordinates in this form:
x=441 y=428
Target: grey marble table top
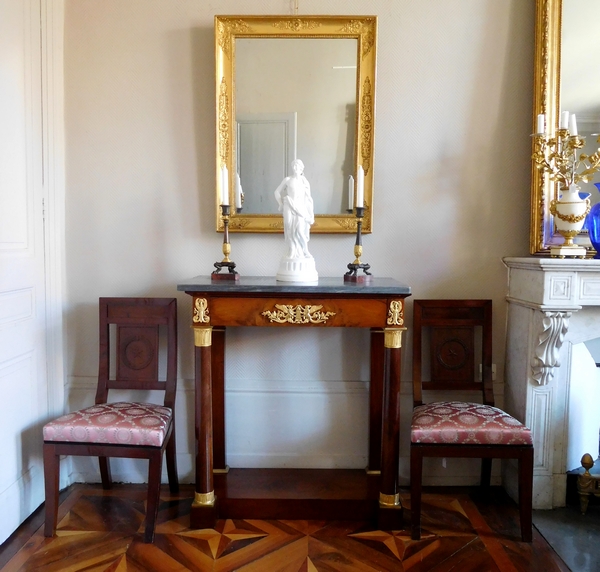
x=267 y=284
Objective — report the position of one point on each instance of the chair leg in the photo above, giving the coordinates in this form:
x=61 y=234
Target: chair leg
x=51 y=484
x=154 y=476
x=486 y=472
x=526 y=493
x=105 y=472
x=416 y=474
x=172 y=463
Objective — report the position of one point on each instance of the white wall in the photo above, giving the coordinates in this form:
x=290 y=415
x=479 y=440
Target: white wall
x=452 y=179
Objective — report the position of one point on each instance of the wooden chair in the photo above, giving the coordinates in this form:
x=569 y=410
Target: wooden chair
x=456 y=428
x=123 y=429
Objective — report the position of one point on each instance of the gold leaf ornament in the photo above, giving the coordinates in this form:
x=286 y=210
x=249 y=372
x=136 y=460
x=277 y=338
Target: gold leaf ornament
x=395 y=313
x=307 y=314
x=201 y=311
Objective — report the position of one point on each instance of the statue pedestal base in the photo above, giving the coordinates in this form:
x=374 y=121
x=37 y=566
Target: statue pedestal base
x=297 y=270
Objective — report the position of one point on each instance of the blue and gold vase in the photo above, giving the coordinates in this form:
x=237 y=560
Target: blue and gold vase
x=593 y=225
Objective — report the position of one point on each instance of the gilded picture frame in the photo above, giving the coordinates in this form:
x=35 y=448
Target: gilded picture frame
x=229 y=28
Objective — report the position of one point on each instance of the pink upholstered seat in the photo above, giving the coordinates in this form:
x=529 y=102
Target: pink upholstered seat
x=121 y=423
x=460 y=423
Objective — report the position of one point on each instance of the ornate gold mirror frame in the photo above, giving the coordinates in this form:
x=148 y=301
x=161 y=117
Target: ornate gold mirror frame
x=546 y=99
x=363 y=29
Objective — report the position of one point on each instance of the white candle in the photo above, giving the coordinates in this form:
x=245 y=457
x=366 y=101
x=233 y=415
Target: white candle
x=224 y=186
x=360 y=187
x=573 y=129
x=238 y=191
x=564 y=120
x=350 y=192
x=541 y=124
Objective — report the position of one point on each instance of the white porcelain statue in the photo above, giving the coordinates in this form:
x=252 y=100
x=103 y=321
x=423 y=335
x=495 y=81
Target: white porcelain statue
x=293 y=197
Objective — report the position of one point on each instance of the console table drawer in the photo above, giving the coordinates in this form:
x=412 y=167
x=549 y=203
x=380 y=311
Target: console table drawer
x=297 y=312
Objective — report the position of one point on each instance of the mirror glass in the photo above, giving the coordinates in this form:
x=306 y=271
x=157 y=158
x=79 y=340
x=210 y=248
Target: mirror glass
x=295 y=98
x=567 y=48
x=294 y=87
x=579 y=86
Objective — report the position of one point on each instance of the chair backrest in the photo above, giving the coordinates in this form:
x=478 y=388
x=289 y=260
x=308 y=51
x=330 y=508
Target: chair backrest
x=137 y=349
x=457 y=335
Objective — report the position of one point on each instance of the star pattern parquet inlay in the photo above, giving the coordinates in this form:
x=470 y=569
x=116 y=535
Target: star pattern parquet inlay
x=102 y=531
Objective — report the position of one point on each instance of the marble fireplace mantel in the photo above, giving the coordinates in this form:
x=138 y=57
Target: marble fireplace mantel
x=552 y=304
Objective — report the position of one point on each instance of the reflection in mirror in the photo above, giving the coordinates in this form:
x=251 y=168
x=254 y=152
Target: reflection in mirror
x=567 y=49
x=295 y=97
x=294 y=87
x=580 y=88
x=266 y=145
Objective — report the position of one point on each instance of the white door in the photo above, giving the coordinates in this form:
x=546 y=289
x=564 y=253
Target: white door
x=23 y=383
x=266 y=145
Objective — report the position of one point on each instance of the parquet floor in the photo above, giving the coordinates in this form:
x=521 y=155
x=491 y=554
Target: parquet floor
x=101 y=531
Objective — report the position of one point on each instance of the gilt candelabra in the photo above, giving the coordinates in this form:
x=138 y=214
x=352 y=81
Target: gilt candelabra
x=557 y=156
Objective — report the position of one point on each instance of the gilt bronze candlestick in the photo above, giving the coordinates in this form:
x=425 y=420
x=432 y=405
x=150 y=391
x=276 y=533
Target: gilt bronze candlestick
x=353 y=268
x=225 y=263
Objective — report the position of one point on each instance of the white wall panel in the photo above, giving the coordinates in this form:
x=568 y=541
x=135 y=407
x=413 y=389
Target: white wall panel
x=14 y=98
x=16 y=305
x=303 y=424
x=17 y=385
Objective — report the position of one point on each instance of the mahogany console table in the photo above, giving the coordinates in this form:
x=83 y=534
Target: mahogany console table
x=333 y=494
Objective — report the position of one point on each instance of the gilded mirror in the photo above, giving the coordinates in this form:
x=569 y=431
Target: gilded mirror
x=292 y=87
x=567 y=49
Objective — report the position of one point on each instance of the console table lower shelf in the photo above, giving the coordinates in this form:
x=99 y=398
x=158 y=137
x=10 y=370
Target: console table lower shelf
x=297 y=494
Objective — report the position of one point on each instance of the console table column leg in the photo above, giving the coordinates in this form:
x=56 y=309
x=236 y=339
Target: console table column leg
x=390 y=509
x=375 y=401
x=203 y=512
x=218 y=400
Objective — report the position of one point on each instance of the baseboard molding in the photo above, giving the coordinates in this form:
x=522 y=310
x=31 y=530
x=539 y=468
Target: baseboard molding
x=128 y=470
x=291 y=461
